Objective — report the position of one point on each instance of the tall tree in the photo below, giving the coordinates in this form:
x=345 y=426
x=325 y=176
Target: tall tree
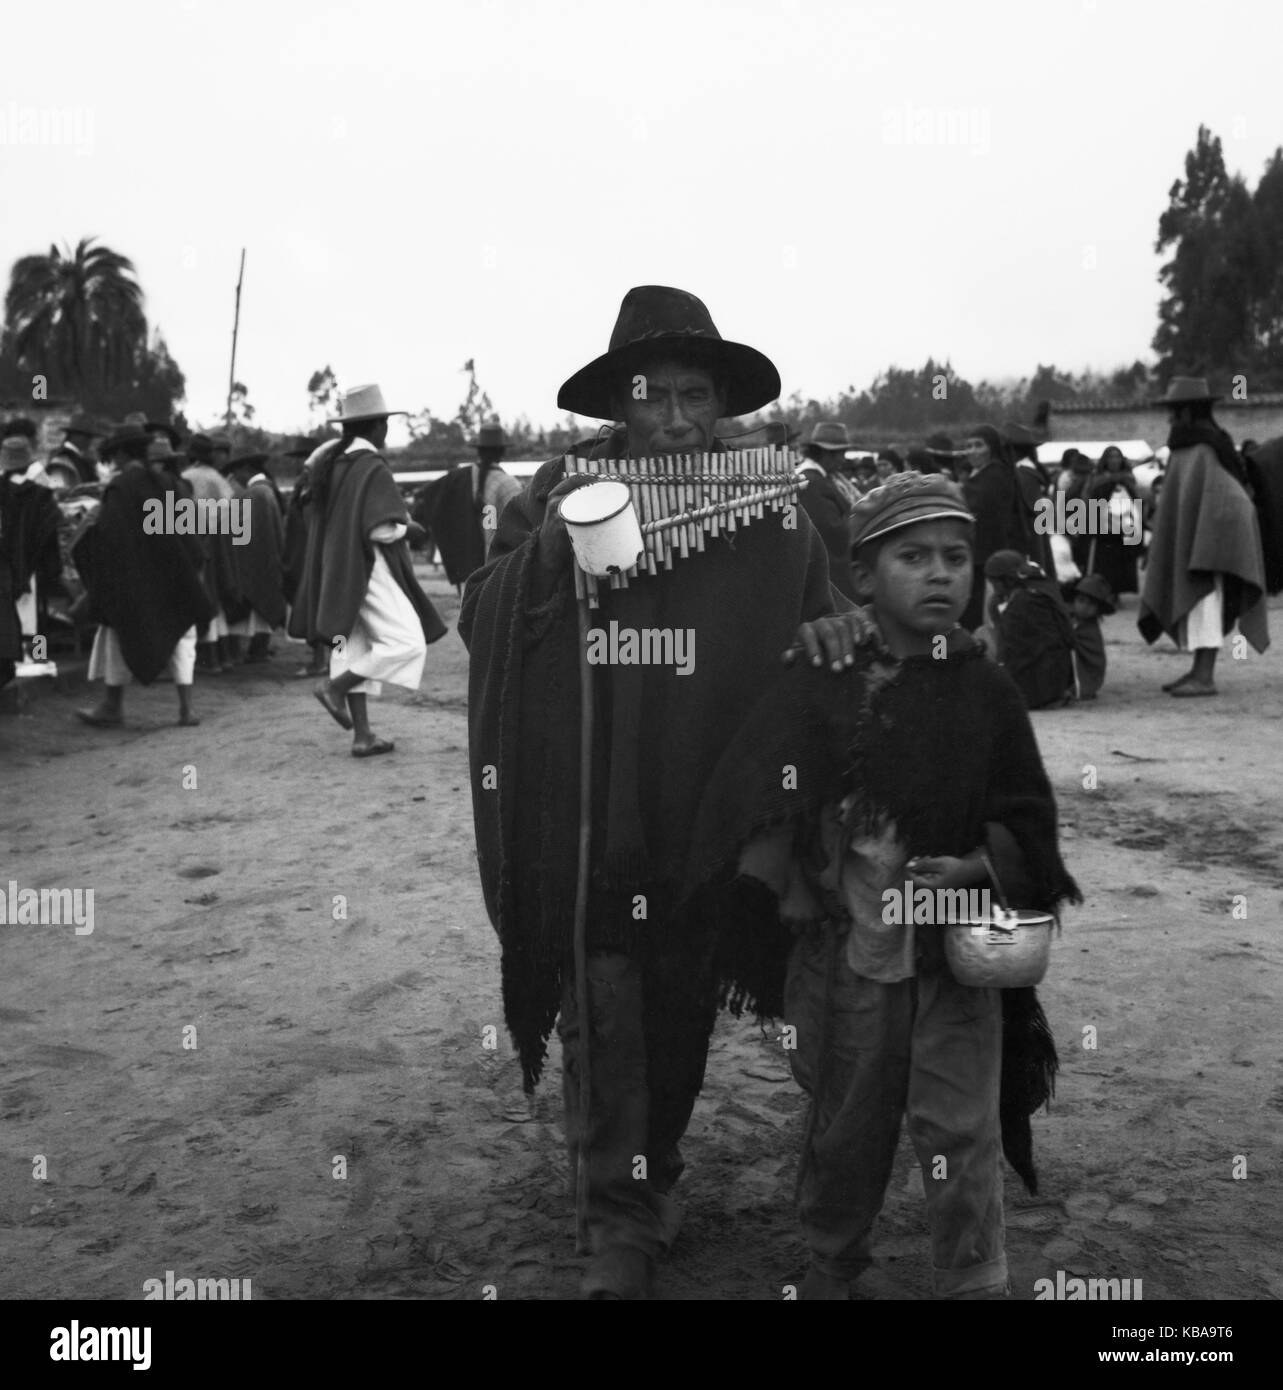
x=76 y=317
x=322 y=394
x=1267 y=310
x=1204 y=321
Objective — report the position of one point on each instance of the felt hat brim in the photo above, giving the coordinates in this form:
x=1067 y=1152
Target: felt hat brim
x=752 y=379
x=357 y=419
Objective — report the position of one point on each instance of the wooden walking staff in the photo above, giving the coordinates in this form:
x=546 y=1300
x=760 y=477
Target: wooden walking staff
x=581 y=911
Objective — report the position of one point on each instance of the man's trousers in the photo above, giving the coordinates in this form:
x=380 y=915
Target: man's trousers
x=651 y=1020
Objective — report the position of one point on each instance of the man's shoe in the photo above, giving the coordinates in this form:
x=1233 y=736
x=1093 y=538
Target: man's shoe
x=622 y=1272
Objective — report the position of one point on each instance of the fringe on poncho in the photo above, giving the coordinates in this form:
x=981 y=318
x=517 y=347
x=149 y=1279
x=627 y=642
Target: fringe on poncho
x=945 y=749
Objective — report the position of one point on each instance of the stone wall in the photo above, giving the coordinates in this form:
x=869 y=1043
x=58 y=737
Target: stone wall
x=1259 y=419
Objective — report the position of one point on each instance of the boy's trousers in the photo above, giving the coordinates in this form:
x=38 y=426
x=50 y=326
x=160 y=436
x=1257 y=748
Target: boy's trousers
x=927 y=1048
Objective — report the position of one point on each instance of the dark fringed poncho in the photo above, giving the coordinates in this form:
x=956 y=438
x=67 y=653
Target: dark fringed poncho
x=945 y=748
x=657 y=736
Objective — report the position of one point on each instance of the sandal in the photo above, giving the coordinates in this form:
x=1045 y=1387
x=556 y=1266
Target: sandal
x=332 y=706
x=380 y=745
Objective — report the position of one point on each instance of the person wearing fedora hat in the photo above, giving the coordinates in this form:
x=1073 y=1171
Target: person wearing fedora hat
x=1033 y=629
x=297 y=512
x=358 y=593
x=144 y=587
x=260 y=564
x=492 y=488
x=461 y=510
x=220 y=572
x=825 y=500
x=1205 y=569
x=30 y=559
x=990 y=490
x=654 y=969
x=1092 y=599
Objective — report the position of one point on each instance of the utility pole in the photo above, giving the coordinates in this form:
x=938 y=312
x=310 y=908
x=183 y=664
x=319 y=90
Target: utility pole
x=236 y=324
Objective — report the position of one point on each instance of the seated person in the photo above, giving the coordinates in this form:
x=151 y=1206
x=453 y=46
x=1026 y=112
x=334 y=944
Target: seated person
x=1034 y=634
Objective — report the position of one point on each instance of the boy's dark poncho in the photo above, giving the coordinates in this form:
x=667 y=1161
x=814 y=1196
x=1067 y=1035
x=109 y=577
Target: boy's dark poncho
x=946 y=749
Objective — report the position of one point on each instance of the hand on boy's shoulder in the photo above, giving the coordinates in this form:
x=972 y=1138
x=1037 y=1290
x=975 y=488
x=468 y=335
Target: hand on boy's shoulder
x=833 y=639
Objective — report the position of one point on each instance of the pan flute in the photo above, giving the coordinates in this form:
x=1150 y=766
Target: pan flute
x=683 y=499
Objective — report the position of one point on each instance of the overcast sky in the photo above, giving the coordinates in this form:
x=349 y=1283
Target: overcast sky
x=846 y=185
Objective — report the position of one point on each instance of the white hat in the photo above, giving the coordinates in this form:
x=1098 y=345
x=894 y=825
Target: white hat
x=363 y=403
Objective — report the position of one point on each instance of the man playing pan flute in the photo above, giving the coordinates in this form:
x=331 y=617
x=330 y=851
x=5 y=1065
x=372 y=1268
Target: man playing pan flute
x=655 y=977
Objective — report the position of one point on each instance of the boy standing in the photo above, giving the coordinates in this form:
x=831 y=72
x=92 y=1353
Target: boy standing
x=919 y=771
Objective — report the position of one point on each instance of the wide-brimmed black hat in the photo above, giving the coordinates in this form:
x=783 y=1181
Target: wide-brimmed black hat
x=653 y=318
x=20 y=426
x=126 y=436
x=245 y=461
x=1096 y=587
x=1186 y=390
x=83 y=427
x=165 y=428
x=490 y=437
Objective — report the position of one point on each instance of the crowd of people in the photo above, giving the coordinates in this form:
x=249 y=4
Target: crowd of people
x=186 y=557
x=641 y=858
x=1038 y=593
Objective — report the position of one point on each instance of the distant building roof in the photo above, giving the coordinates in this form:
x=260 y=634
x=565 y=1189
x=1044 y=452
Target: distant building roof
x=1272 y=400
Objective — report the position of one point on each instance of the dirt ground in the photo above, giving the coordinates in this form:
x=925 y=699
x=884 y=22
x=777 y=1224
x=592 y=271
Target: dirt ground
x=364 y=1036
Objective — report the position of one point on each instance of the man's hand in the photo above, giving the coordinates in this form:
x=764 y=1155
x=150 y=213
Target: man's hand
x=555 y=550
x=834 y=638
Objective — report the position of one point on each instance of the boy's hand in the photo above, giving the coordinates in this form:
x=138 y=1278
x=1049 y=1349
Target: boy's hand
x=945 y=871
x=834 y=638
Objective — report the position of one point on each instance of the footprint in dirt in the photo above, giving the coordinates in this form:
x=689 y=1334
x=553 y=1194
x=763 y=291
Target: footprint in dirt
x=199 y=871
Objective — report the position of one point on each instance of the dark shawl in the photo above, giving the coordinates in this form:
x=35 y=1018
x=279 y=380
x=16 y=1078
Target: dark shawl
x=1265 y=472
x=1205 y=525
x=1110 y=556
x=1036 y=643
x=295 y=543
x=221 y=573
x=448 y=509
x=361 y=495
x=146 y=587
x=28 y=545
x=260 y=562
x=1089 y=655
x=1030 y=489
x=942 y=747
x=744 y=597
x=827 y=507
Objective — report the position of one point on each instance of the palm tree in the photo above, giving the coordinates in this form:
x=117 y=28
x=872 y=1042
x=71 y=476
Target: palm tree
x=76 y=316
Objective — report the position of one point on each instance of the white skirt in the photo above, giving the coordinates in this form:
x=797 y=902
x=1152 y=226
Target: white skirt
x=386 y=643
x=217 y=626
x=107 y=661
x=1204 y=625
x=248 y=627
